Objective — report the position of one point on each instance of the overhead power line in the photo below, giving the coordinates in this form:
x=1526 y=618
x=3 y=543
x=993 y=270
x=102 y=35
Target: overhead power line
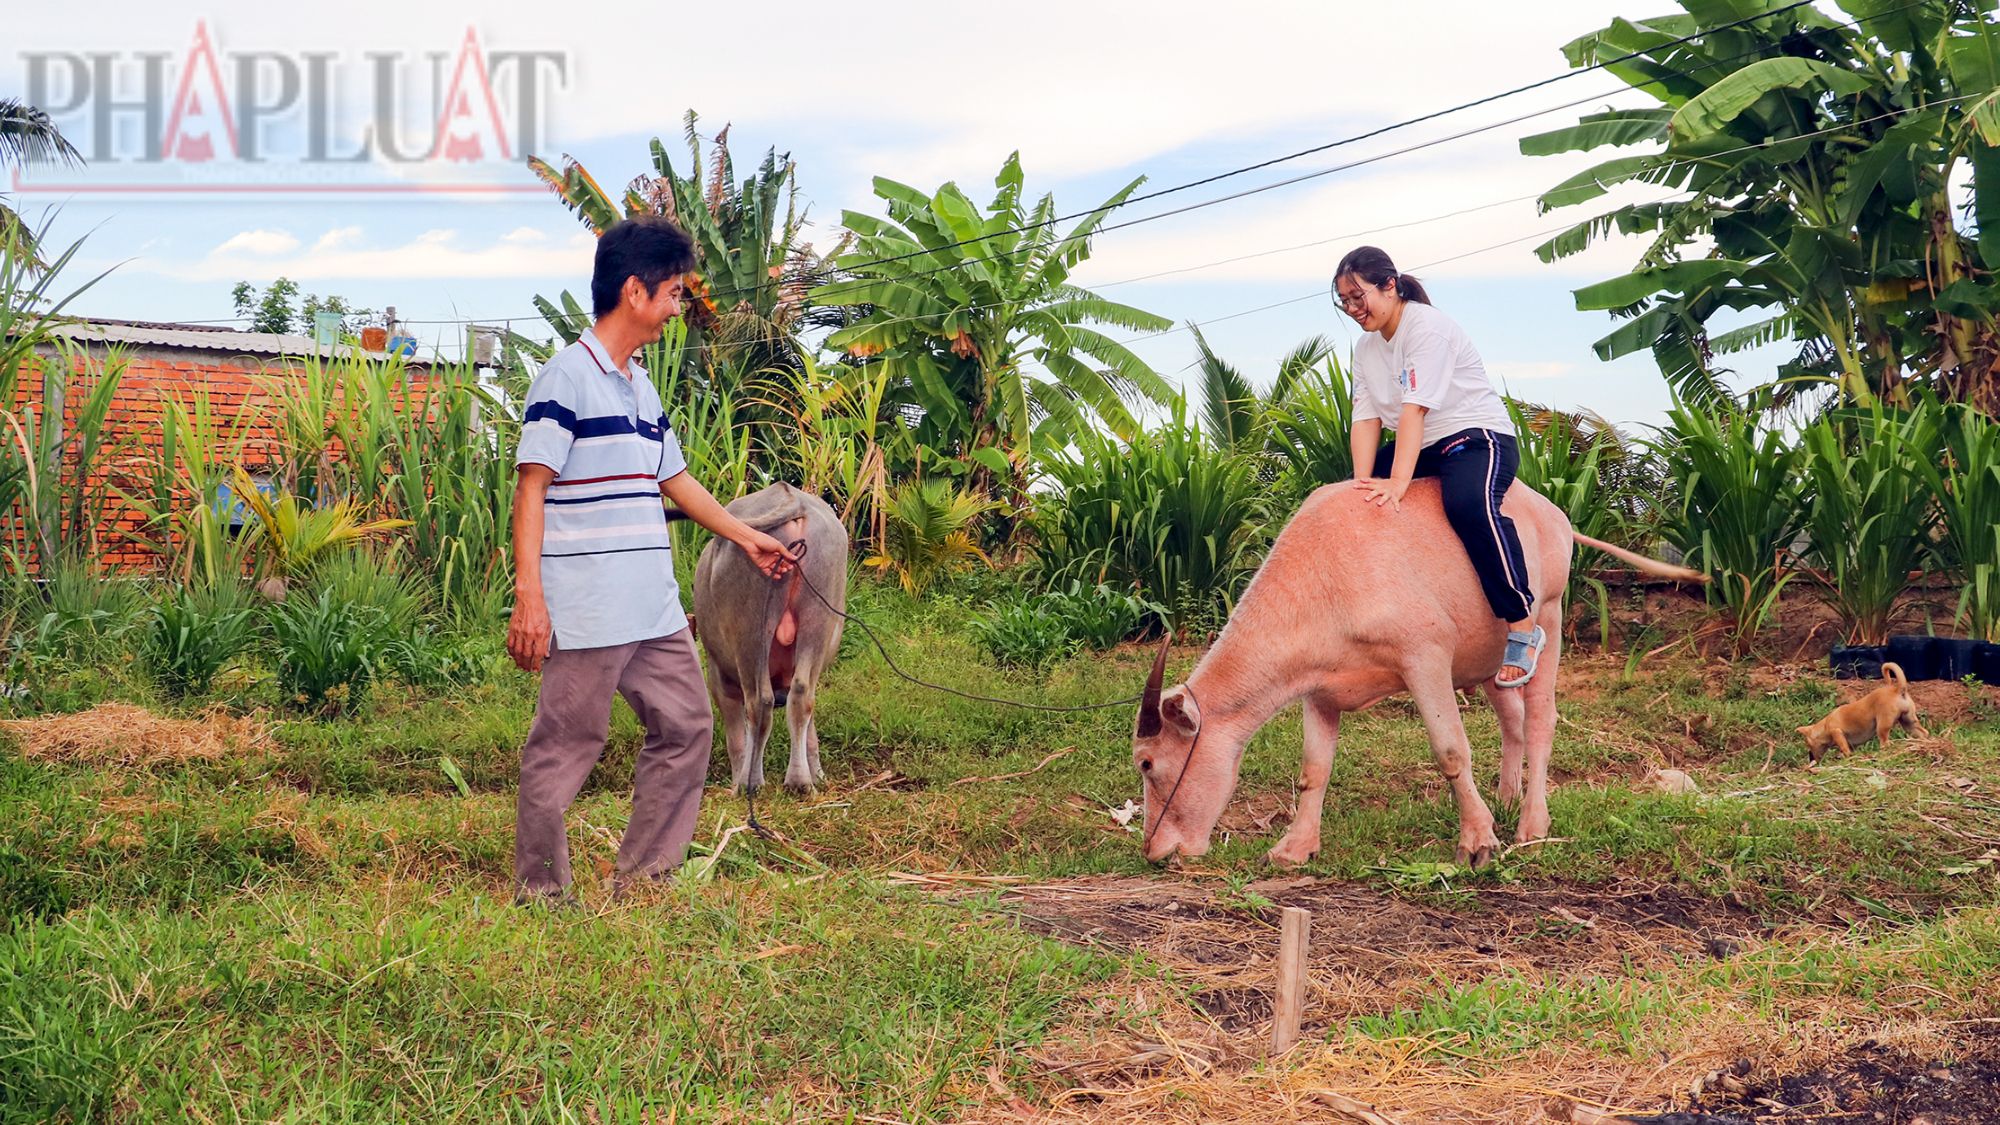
x=1290 y=181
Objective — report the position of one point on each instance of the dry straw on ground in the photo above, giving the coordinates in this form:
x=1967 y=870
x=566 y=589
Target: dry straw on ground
x=122 y=734
x=1198 y=1056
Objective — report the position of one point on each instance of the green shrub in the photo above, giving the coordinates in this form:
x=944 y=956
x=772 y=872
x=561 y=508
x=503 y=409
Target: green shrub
x=77 y=612
x=1312 y=425
x=194 y=633
x=1024 y=634
x=359 y=578
x=1869 y=514
x=929 y=533
x=1733 y=506
x=1099 y=616
x=1168 y=515
x=1582 y=464
x=1033 y=632
x=425 y=658
x=326 y=650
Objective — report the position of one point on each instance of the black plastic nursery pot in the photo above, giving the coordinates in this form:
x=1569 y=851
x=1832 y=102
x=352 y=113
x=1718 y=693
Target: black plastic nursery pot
x=1986 y=662
x=1952 y=657
x=1856 y=662
x=1913 y=655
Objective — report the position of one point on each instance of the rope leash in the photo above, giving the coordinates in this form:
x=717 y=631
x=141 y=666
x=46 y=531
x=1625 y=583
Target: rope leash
x=796 y=549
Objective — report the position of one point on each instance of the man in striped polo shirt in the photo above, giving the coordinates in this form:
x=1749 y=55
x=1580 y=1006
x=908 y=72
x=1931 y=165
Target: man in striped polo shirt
x=596 y=608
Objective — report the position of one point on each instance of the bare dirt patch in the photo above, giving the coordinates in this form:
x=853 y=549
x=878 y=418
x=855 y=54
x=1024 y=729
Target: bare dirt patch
x=1871 y=1082
x=1372 y=953
x=1200 y=1050
x=127 y=735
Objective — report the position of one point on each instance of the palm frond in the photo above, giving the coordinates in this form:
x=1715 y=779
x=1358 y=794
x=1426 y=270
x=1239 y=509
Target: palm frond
x=28 y=136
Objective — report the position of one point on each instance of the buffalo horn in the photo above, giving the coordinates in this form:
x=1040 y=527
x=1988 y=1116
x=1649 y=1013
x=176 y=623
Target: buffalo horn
x=1149 y=703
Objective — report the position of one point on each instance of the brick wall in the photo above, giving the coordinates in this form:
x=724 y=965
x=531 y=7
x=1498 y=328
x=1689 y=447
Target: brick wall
x=239 y=399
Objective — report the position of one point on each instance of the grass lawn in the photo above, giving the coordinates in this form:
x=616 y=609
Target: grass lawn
x=315 y=926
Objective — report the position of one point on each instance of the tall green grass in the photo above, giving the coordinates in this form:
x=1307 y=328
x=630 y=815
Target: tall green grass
x=1310 y=427
x=185 y=486
x=192 y=633
x=51 y=444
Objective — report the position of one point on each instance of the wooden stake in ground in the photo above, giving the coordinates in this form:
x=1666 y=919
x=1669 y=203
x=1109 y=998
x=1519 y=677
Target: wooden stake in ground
x=1290 y=1001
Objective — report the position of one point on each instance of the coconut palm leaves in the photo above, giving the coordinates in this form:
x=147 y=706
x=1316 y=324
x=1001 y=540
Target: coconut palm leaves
x=1234 y=414
x=1811 y=162
x=293 y=534
x=989 y=343
x=930 y=533
x=27 y=136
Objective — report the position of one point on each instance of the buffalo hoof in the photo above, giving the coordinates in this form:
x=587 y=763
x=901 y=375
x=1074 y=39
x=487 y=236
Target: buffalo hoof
x=801 y=788
x=1286 y=855
x=1532 y=828
x=1478 y=857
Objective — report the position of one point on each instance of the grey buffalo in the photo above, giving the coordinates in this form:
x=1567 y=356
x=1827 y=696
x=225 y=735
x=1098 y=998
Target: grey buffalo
x=767 y=642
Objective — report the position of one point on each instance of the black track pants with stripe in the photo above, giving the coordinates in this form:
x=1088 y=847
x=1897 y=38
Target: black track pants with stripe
x=1474 y=468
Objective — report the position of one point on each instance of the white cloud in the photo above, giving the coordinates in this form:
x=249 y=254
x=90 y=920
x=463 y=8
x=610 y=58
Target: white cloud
x=525 y=236
x=336 y=238
x=438 y=253
x=1467 y=211
x=258 y=242
x=1509 y=372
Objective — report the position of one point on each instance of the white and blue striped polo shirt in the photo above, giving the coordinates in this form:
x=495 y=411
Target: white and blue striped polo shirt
x=607 y=566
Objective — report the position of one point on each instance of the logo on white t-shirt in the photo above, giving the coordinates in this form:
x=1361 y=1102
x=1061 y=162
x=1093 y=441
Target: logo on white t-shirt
x=1407 y=379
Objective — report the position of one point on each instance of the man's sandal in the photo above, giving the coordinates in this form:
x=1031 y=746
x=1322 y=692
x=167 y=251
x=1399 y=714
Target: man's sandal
x=1523 y=651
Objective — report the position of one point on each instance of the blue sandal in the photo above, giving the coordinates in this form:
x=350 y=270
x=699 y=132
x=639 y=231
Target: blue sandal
x=1523 y=651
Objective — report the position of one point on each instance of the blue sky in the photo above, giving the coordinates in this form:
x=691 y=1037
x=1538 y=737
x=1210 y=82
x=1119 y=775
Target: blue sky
x=1091 y=94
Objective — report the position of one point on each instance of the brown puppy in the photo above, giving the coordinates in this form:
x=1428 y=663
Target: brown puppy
x=1874 y=714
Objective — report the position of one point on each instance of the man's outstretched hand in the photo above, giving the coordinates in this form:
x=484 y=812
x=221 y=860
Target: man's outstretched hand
x=768 y=555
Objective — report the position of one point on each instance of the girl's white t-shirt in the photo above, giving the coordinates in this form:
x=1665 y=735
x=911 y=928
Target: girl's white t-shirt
x=1432 y=363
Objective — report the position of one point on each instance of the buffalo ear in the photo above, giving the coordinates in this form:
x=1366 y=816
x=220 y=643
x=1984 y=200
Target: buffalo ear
x=1149 y=722
x=1178 y=707
x=1149 y=700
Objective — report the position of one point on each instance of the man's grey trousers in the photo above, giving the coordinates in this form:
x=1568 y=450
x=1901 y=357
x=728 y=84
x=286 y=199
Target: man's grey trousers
x=661 y=679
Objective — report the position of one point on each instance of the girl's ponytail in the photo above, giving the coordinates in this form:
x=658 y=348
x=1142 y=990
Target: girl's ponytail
x=1373 y=266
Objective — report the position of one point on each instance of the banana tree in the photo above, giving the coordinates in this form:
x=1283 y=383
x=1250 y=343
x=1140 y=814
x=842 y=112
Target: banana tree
x=1812 y=159
x=747 y=300
x=991 y=344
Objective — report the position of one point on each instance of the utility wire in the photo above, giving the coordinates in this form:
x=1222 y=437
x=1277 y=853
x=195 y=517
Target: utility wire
x=1370 y=134
x=1348 y=166
x=1660 y=167
x=1318 y=173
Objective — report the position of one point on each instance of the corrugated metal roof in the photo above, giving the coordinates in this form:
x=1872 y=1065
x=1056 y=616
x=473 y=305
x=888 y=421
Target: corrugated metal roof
x=204 y=338
x=232 y=343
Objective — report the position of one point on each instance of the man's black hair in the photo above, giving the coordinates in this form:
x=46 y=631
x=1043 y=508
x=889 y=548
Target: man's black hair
x=650 y=248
